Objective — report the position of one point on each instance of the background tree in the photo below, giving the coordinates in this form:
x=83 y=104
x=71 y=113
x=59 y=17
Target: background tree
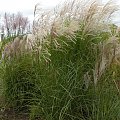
x=16 y=24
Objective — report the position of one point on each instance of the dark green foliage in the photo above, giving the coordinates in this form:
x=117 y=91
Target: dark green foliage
x=56 y=89
x=20 y=81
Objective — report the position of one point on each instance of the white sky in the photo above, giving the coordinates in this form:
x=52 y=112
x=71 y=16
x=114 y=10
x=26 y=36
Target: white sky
x=27 y=6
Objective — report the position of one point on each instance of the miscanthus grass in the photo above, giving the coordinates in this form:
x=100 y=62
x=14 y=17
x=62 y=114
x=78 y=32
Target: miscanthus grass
x=72 y=71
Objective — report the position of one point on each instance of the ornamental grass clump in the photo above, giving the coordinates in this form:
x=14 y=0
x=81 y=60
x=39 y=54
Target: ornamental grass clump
x=73 y=70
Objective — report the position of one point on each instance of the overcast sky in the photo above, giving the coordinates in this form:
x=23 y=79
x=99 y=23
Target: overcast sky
x=27 y=6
